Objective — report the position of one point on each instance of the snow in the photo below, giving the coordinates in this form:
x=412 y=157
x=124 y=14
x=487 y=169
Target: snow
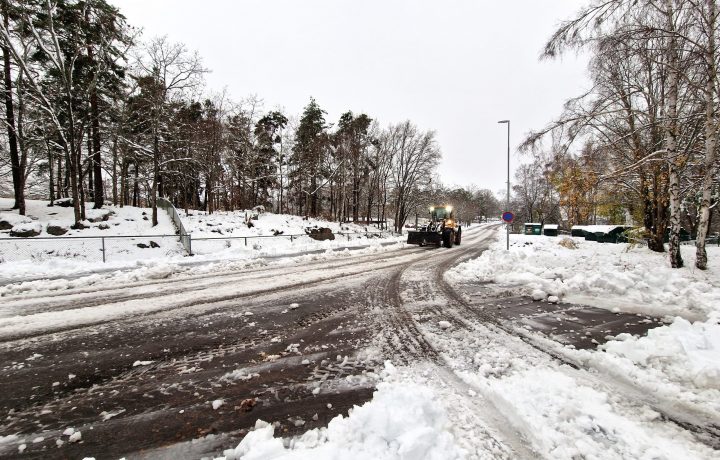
x=632 y=279
x=218 y=237
x=678 y=363
x=217 y=403
x=403 y=421
x=27 y=227
x=14 y=219
x=568 y=420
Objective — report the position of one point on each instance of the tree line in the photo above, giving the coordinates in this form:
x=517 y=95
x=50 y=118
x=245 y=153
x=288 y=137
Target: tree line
x=642 y=141
x=95 y=114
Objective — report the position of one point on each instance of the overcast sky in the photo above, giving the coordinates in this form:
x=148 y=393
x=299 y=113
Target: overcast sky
x=456 y=67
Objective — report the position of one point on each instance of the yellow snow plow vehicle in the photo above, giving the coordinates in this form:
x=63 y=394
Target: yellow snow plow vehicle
x=443 y=228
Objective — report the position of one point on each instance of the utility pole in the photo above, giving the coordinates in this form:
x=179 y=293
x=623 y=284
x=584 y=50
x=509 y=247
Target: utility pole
x=507 y=202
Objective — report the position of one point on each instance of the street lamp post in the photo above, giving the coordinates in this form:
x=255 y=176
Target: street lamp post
x=507 y=205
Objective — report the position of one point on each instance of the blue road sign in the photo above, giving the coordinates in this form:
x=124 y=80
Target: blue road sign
x=508 y=217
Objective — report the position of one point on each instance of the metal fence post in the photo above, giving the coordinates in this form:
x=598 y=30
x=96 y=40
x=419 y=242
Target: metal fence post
x=103 y=248
x=189 y=237
x=291 y=238
x=245 y=241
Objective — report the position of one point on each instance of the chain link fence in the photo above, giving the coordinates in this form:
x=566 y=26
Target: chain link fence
x=140 y=247
x=90 y=248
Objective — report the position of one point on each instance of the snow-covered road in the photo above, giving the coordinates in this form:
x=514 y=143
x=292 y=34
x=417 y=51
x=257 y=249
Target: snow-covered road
x=181 y=364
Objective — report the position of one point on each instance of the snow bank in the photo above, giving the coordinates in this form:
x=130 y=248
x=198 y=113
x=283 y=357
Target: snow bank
x=678 y=362
x=608 y=276
x=568 y=420
x=403 y=421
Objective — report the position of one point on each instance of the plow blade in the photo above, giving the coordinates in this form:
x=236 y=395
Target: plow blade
x=422 y=238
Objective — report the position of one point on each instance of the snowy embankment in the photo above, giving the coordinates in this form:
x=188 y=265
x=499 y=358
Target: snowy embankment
x=677 y=362
x=227 y=234
x=404 y=420
x=611 y=276
x=133 y=243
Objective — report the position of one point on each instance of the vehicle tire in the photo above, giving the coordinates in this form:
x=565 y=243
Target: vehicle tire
x=448 y=238
x=458 y=237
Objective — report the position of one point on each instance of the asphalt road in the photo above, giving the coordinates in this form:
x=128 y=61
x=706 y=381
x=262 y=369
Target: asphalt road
x=141 y=378
x=136 y=368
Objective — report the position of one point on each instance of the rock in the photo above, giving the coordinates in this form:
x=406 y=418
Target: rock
x=320 y=234
x=64 y=202
x=145 y=218
x=80 y=225
x=9 y=220
x=27 y=230
x=104 y=226
x=142 y=246
x=277 y=232
x=56 y=229
x=246 y=405
x=538 y=294
x=154 y=244
x=98 y=215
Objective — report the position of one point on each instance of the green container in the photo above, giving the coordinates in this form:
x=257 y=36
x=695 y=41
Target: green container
x=533 y=229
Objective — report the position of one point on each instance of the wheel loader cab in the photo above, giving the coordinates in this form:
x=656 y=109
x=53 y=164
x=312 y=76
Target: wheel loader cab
x=444 y=215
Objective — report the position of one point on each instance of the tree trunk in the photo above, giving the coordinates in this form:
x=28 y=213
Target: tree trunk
x=115 y=171
x=710 y=143
x=51 y=184
x=671 y=135
x=156 y=179
x=98 y=189
x=90 y=170
x=17 y=173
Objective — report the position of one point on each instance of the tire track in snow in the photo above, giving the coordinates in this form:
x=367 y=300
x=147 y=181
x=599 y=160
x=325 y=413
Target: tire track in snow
x=24 y=304
x=706 y=430
x=406 y=342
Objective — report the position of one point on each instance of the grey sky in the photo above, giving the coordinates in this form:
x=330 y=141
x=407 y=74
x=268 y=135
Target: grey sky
x=453 y=66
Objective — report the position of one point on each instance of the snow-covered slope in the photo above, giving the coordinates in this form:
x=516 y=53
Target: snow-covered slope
x=131 y=240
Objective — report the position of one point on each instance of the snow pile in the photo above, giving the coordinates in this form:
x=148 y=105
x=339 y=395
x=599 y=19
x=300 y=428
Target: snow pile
x=402 y=421
x=568 y=420
x=684 y=351
x=603 y=275
x=679 y=362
